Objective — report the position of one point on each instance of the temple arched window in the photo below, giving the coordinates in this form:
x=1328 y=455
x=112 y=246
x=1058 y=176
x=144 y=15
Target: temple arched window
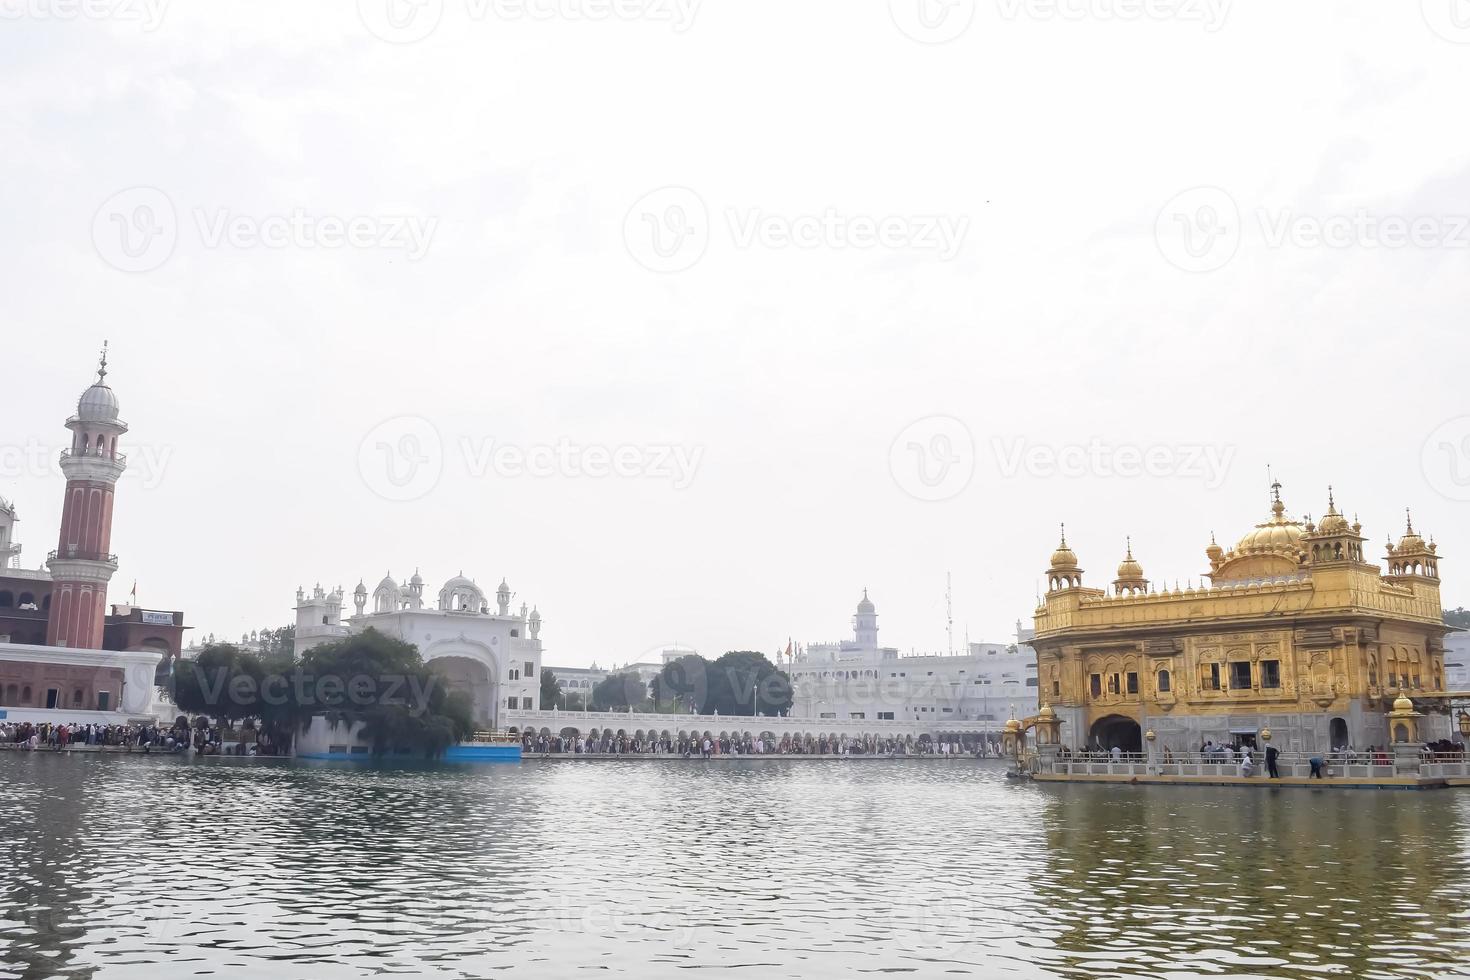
x=1164 y=682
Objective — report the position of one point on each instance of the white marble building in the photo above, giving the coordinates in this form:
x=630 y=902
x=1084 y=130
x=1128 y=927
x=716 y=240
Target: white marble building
x=857 y=680
x=494 y=655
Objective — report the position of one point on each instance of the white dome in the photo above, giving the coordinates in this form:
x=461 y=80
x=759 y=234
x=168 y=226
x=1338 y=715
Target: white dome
x=98 y=404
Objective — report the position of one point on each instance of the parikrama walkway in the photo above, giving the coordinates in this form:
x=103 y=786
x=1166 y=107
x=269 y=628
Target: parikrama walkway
x=1406 y=770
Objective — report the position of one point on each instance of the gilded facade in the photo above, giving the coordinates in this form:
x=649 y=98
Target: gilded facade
x=1293 y=629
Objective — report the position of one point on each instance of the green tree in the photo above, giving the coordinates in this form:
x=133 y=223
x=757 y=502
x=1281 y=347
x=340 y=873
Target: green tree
x=551 y=692
x=223 y=682
x=369 y=678
x=742 y=680
x=619 y=692
x=1458 y=616
x=683 y=682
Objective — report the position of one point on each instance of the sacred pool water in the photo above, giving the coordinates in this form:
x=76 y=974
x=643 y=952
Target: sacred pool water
x=138 y=868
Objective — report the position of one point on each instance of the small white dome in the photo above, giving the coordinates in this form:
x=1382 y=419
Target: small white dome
x=98 y=404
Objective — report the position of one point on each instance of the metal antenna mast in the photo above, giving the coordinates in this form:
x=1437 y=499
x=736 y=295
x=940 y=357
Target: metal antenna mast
x=949 y=610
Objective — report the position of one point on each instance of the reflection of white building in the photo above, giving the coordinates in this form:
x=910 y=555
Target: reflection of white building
x=495 y=656
x=859 y=680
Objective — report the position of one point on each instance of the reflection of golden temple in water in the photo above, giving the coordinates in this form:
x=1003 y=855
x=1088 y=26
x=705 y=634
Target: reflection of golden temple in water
x=1296 y=632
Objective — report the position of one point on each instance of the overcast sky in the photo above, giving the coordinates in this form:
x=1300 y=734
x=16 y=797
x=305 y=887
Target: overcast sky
x=694 y=319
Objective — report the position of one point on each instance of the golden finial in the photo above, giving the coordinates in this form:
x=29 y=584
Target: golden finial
x=1129 y=539
x=102 y=367
x=1408 y=521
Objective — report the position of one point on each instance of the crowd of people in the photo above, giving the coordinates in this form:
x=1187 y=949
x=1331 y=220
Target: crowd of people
x=705 y=745
x=204 y=740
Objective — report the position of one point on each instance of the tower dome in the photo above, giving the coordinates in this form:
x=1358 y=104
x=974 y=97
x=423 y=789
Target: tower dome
x=1279 y=535
x=1129 y=568
x=99 y=402
x=1411 y=541
x=1332 y=522
x=865 y=605
x=1064 y=556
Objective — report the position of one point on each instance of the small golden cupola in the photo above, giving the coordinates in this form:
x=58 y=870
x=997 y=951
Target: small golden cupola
x=1333 y=539
x=1063 y=573
x=1130 y=580
x=1214 y=553
x=1413 y=555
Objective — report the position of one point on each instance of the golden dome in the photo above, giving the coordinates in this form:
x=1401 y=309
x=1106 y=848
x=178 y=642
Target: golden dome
x=1013 y=726
x=1046 y=713
x=1129 y=570
x=1402 y=705
x=1214 y=552
x=1411 y=541
x=1277 y=536
x=1063 y=557
x=1332 y=521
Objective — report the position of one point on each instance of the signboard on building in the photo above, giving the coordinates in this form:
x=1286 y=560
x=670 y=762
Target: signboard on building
x=158 y=618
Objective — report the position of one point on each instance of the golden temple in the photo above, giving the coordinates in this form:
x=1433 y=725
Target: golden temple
x=1296 y=631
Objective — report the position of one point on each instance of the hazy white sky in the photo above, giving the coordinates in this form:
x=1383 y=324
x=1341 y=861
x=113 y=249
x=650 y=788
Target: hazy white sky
x=827 y=302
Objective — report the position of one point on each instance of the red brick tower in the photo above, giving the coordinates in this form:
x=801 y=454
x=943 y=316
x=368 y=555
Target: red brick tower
x=82 y=565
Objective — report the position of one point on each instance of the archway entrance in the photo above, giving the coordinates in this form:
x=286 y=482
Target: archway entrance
x=1116 y=731
x=1337 y=733
x=473 y=678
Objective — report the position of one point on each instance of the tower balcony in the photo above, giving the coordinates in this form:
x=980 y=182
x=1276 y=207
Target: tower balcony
x=93 y=467
x=81 y=554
